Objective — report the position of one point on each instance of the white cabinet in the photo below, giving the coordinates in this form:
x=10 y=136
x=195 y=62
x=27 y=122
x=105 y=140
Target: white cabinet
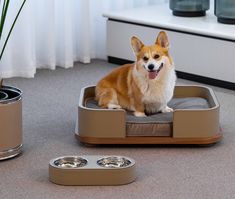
x=201 y=48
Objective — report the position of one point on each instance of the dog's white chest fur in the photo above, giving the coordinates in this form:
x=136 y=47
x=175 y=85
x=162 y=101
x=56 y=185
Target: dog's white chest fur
x=157 y=93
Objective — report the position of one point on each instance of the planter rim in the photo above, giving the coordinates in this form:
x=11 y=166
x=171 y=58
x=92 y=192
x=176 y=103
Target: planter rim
x=12 y=89
x=4 y=95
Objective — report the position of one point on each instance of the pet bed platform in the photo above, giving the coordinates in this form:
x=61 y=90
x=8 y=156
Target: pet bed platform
x=195 y=120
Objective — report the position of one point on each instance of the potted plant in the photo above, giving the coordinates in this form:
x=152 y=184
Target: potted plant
x=10 y=100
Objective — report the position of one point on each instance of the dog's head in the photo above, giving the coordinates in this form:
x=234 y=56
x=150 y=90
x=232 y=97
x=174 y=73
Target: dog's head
x=152 y=60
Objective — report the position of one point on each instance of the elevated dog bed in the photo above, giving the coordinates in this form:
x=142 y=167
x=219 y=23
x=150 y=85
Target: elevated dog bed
x=195 y=120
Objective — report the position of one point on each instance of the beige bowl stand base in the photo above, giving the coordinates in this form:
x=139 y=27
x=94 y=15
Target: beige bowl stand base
x=92 y=170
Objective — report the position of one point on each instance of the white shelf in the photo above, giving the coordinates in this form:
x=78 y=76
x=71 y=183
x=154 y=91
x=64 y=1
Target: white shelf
x=161 y=16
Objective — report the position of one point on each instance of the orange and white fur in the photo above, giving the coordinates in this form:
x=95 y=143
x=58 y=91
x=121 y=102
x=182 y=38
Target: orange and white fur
x=143 y=87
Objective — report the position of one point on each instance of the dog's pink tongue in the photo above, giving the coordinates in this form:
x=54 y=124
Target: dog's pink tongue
x=152 y=74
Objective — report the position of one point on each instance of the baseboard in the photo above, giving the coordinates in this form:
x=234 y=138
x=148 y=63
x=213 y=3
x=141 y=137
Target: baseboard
x=183 y=75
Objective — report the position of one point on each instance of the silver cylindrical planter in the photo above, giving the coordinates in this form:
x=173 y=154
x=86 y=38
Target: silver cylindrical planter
x=10 y=122
x=189 y=8
x=225 y=11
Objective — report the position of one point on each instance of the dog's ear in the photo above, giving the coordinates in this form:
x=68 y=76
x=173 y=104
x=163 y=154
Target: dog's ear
x=136 y=44
x=162 y=40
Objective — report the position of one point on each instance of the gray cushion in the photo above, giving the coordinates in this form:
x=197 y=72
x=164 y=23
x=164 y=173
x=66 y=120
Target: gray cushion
x=158 y=124
x=175 y=103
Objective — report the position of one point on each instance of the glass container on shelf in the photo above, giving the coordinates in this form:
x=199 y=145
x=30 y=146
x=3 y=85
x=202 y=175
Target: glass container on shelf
x=189 y=8
x=225 y=11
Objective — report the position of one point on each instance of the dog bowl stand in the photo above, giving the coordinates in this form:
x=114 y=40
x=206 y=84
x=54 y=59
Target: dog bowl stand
x=92 y=170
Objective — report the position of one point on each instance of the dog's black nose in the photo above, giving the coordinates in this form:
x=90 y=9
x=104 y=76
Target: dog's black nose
x=150 y=66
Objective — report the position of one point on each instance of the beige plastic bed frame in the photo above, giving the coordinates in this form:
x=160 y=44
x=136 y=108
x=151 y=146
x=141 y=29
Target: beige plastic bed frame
x=105 y=126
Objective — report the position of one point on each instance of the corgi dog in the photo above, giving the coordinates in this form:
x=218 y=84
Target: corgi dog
x=144 y=87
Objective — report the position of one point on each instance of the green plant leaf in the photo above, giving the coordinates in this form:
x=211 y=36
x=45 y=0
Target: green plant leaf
x=12 y=26
x=3 y=17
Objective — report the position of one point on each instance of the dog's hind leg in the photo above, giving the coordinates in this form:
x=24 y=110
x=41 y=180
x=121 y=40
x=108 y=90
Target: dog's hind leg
x=107 y=98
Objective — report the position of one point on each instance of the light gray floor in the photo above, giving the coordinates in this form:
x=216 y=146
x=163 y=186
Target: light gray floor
x=165 y=172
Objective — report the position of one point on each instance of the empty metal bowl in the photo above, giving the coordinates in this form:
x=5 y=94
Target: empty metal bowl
x=70 y=162
x=114 y=162
x=3 y=95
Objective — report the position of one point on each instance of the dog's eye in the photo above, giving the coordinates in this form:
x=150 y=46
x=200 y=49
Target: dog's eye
x=156 y=56
x=145 y=58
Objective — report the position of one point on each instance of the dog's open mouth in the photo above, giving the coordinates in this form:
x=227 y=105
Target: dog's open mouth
x=153 y=74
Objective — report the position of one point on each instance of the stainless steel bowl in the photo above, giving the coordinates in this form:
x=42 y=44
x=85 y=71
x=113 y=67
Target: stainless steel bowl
x=70 y=162
x=114 y=162
x=3 y=96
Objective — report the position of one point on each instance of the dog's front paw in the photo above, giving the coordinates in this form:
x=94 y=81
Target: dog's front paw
x=167 y=110
x=139 y=114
